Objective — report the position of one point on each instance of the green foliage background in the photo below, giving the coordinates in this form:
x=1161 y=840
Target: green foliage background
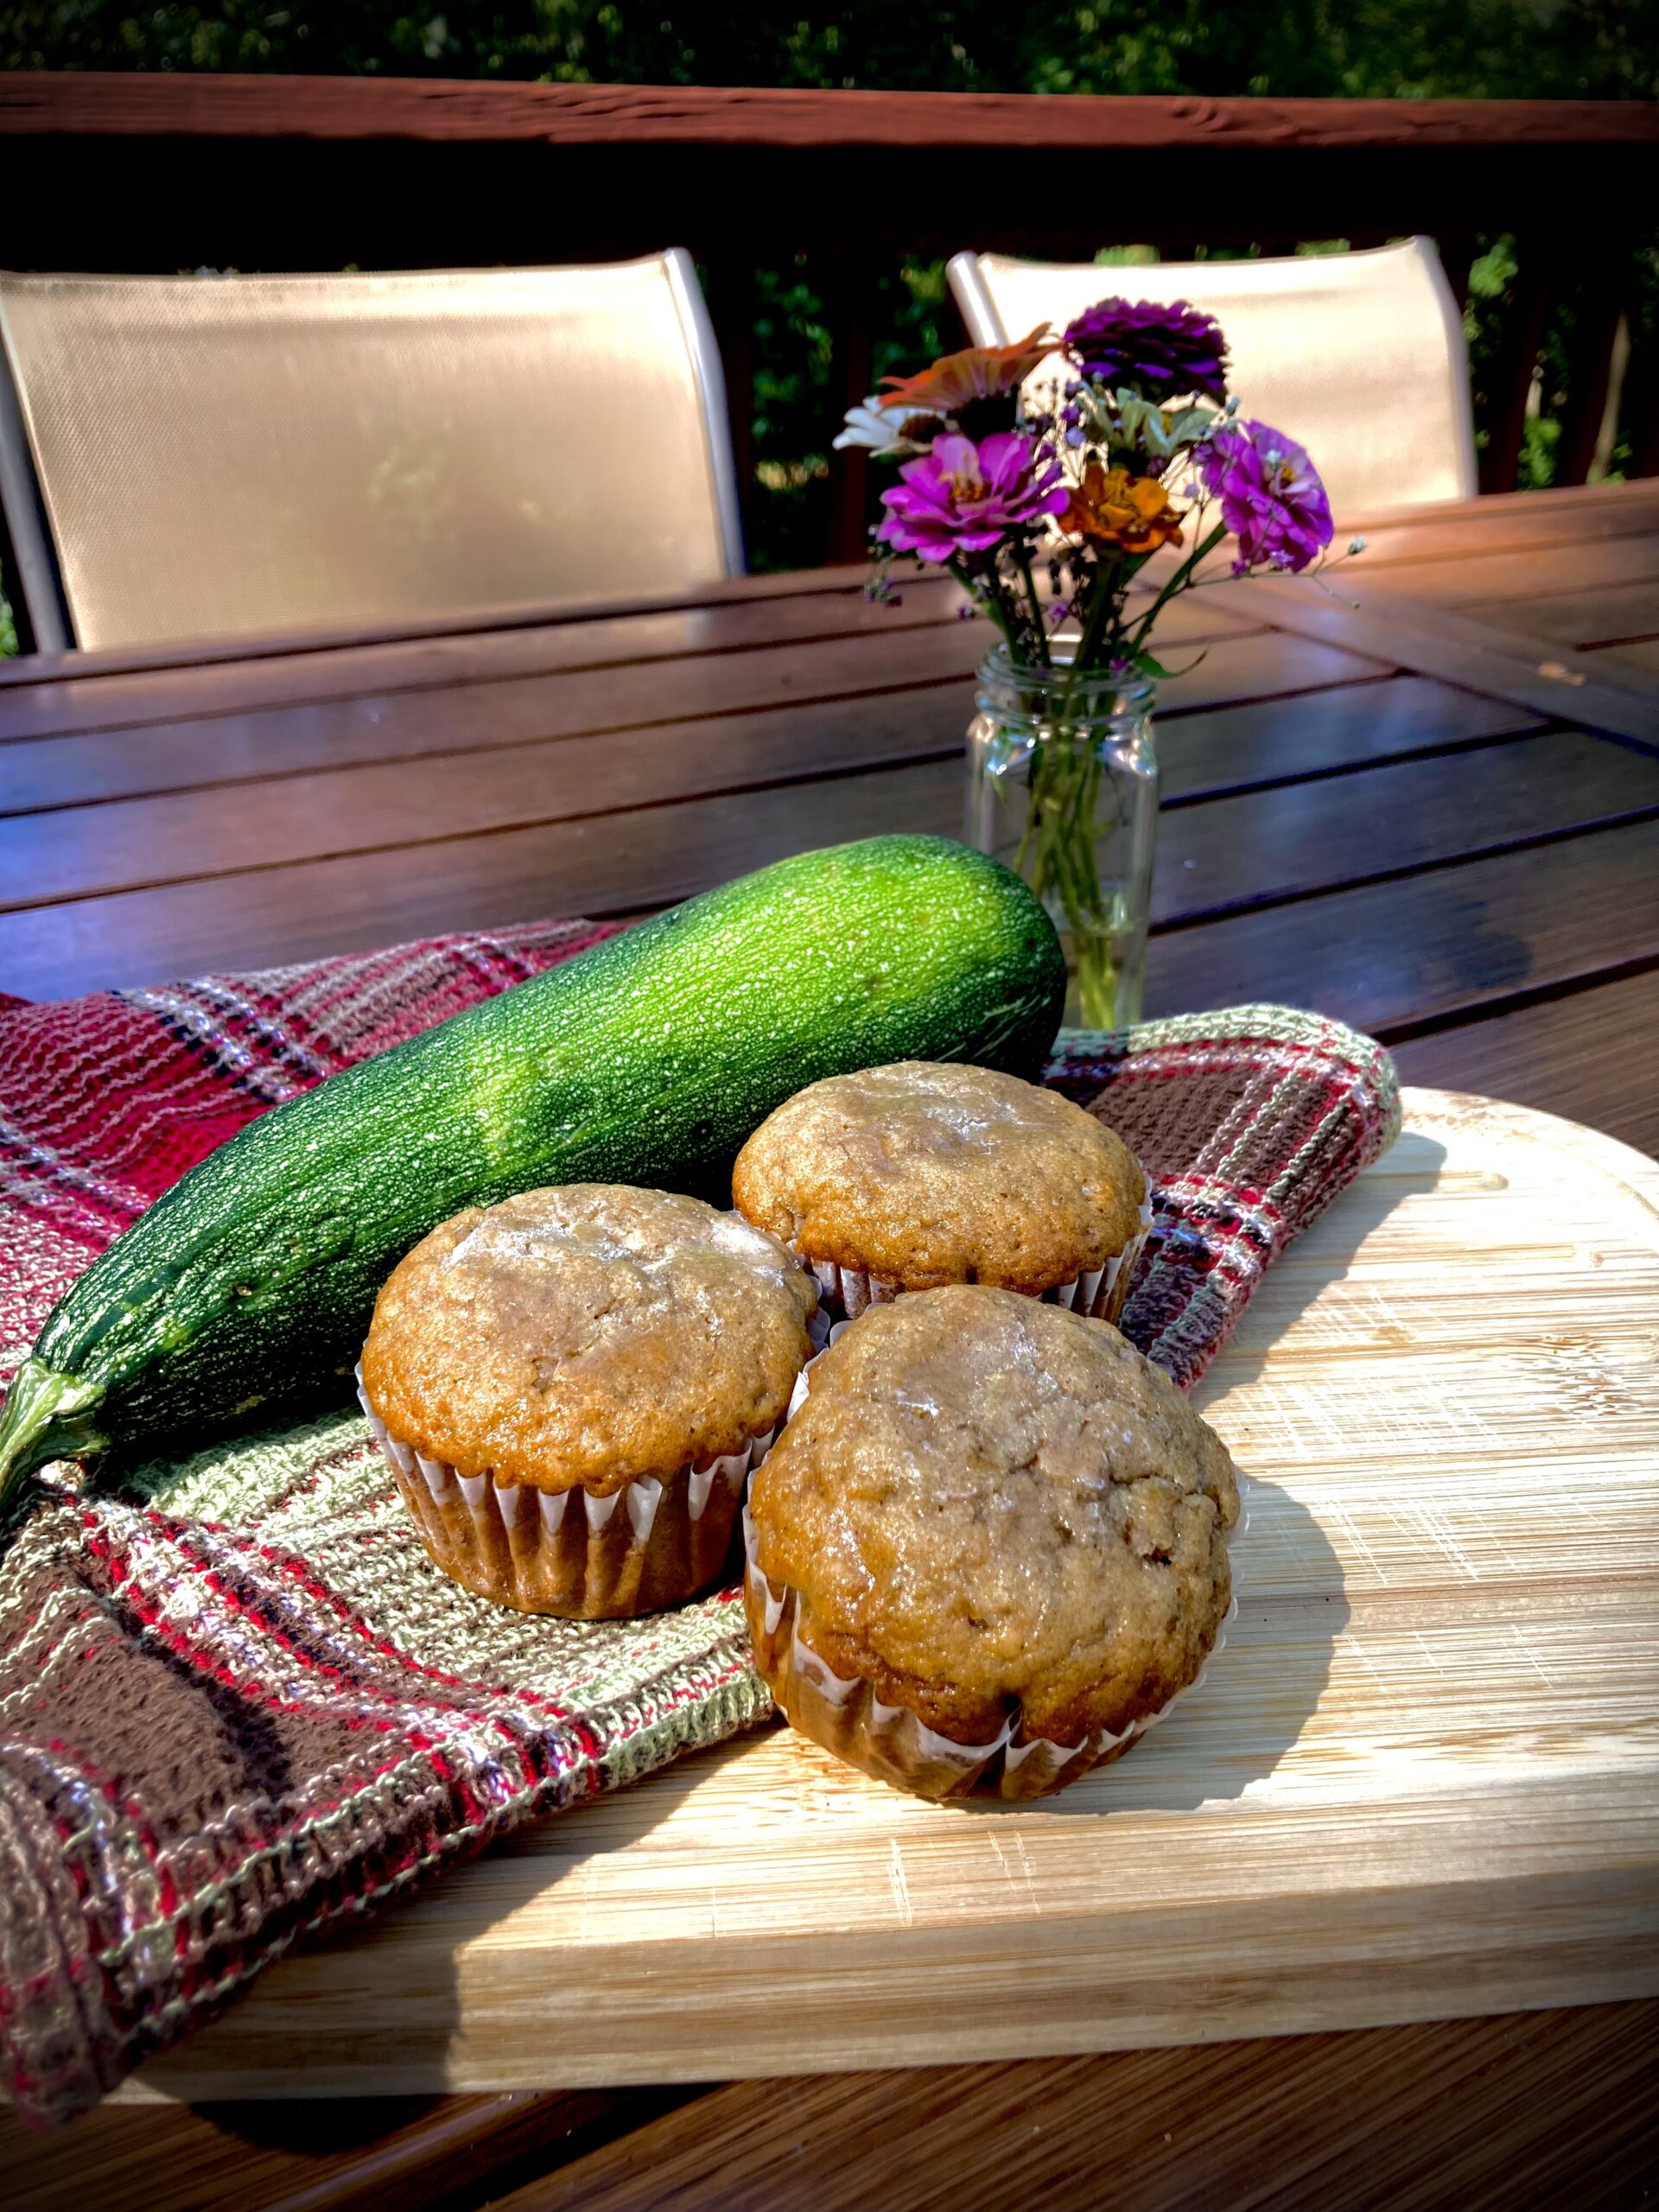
x=1391 y=48
x=1484 y=48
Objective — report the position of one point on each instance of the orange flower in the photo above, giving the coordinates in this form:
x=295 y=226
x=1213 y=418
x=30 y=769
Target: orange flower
x=956 y=380
x=1111 y=507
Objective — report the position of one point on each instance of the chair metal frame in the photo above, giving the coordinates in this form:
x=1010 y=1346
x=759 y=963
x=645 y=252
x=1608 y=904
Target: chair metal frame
x=34 y=563
x=711 y=391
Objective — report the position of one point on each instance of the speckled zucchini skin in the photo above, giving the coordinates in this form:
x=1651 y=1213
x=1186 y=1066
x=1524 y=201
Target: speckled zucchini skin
x=648 y=1059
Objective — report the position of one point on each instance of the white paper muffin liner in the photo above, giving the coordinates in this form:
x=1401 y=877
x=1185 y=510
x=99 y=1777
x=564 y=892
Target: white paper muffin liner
x=890 y=1742
x=649 y=1545
x=846 y=1293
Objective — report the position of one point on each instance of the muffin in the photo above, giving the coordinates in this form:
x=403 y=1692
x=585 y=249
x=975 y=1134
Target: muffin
x=911 y=1177
x=572 y=1385
x=989 y=1547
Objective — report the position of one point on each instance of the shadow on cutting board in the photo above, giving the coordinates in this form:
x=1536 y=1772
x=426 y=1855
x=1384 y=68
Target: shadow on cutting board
x=1232 y=1729
x=1259 y=1691
x=1318 y=1259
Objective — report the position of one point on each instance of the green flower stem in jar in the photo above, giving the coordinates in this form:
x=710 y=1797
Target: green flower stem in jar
x=1062 y=787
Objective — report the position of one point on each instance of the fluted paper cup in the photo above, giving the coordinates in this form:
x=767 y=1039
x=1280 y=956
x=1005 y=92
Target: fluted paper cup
x=649 y=1545
x=890 y=1742
x=845 y=1293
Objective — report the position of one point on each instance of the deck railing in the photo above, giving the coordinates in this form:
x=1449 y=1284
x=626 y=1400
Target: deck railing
x=152 y=172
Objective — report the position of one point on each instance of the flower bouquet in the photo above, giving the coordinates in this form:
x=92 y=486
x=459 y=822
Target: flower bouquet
x=1046 y=499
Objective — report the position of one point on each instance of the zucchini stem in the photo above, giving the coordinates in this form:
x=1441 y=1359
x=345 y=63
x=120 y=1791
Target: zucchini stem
x=38 y=1423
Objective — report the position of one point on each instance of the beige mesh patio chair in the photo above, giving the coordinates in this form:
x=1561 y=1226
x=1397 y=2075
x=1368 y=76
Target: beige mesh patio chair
x=214 y=456
x=1359 y=357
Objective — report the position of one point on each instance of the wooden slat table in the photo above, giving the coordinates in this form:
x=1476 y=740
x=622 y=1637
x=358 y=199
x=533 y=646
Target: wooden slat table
x=1428 y=802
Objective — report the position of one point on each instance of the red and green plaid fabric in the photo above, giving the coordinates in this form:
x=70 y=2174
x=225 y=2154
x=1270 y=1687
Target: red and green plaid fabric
x=238 y=1704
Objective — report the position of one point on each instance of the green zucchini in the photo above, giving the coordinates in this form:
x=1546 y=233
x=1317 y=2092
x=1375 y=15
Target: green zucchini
x=247 y=1287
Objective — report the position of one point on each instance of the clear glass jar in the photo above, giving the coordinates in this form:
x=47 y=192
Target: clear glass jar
x=1062 y=787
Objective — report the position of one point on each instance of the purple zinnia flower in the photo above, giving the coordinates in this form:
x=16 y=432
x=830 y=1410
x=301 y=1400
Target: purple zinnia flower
x=1161 y=352
x=963 y=497
x=1271 y=497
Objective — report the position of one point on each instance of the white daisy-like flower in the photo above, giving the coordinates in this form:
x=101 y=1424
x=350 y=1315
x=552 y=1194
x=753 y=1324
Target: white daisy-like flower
x=878 y=428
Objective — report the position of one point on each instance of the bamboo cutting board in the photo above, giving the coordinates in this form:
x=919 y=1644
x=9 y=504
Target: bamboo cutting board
x=1422 y=1779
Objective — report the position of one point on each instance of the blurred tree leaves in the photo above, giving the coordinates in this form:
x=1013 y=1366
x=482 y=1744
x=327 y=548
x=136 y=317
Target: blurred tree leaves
x=1483 y=48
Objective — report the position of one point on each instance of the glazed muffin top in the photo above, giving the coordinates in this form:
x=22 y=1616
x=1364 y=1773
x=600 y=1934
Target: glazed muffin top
x=929 y=1173
x=987 y=1504
x=589 y=1334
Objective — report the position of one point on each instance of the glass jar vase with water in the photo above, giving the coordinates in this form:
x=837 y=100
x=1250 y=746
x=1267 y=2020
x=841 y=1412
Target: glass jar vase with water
x=1062 y=787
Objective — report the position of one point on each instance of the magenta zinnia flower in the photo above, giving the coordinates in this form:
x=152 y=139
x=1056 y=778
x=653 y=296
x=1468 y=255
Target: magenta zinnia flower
x=1271 y=497
x=963 y=497
x=1161 y=352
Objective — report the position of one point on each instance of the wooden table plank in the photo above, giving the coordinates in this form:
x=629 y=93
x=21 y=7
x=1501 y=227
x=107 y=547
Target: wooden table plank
x=1525 y=2108
x=1284 y=842
x=1230 y=749
x=1602 y=621
x=218 y=830
x=1202 y=754
x=916 y=708
x=1391 y=955
x=446 y=718
x=1295 y=840
x=177 y=654
x=1555 y=523
x=1200 y=749
x=1570 y=1056
x=1503 y=2113
x=466 y=734
x=610 y=864
x=1533 y=2110
x=1475 y=581
x=81 y=701
x=237 y=748
x=118 y=687
x=1637 y=657
x=85 y=699
x=1432 y=641
x=82 y=689
x=1245 y=848
x=345 y=2155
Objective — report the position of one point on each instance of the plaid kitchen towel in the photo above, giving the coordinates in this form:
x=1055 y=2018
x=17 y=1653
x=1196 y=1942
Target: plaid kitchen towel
x=238 y=1704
